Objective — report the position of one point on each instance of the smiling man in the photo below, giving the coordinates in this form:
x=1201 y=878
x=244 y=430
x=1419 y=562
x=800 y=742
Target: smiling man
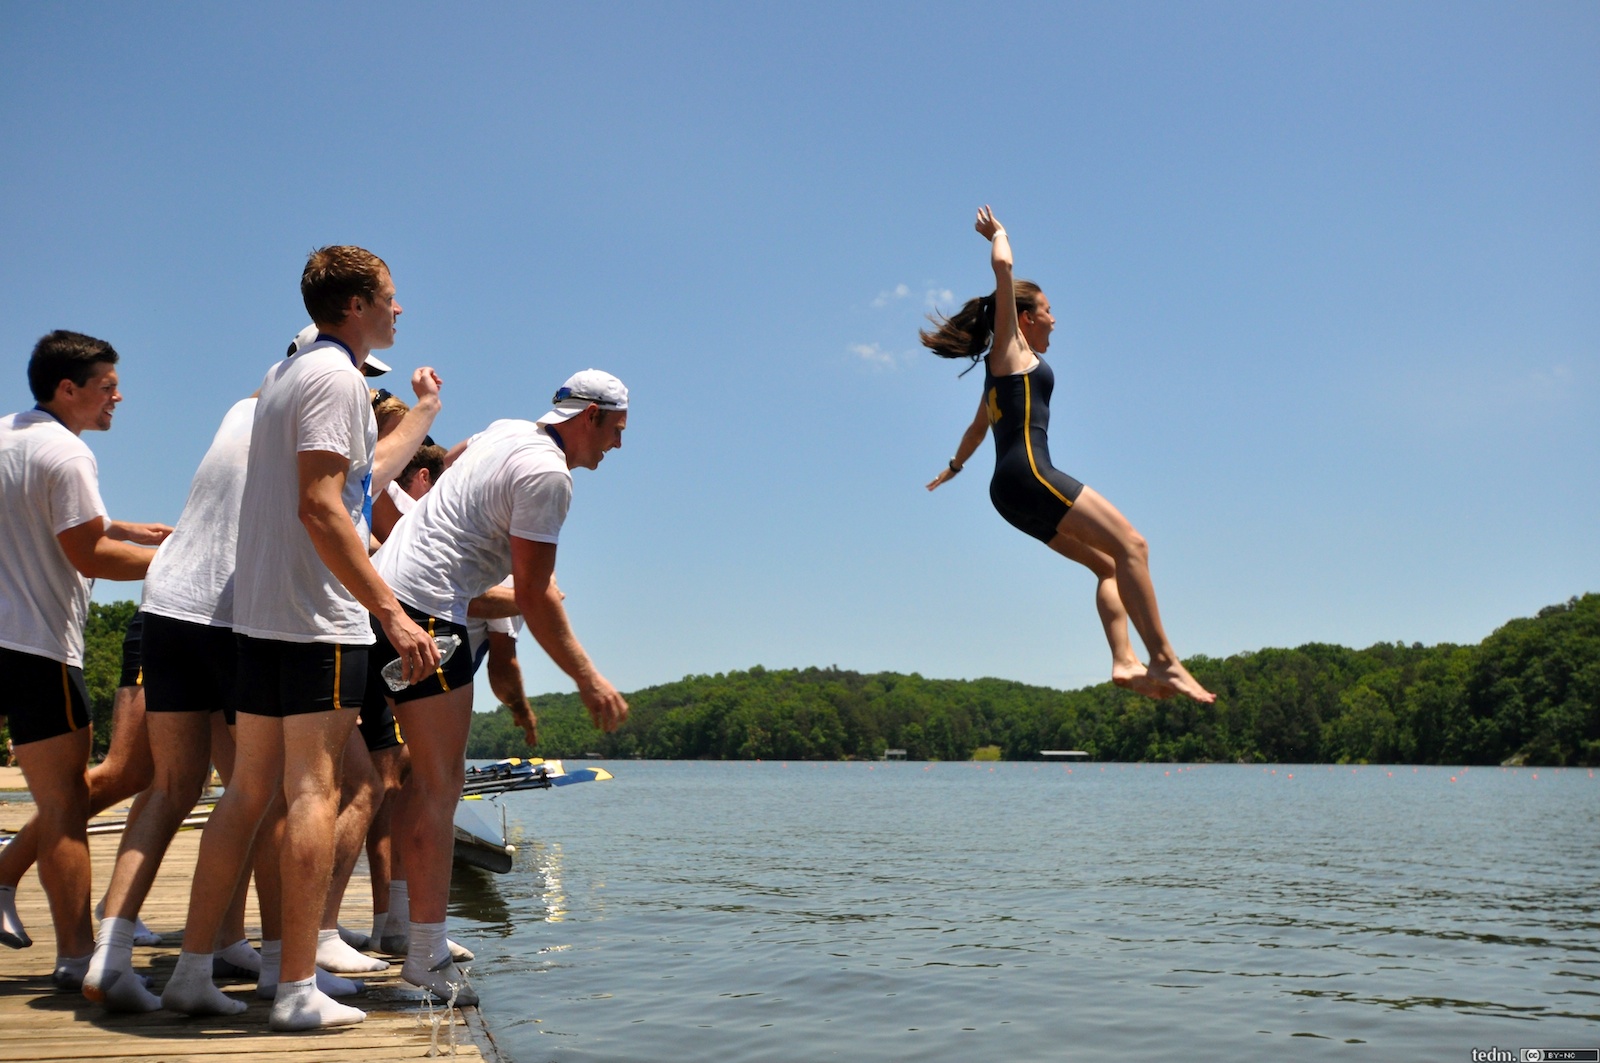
x=54 y=538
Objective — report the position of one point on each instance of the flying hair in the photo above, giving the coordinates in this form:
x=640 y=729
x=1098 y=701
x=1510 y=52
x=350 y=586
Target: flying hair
x=969 y=332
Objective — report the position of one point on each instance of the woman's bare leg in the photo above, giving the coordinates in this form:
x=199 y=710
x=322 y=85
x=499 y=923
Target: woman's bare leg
x=1126 y=668
x=1093 y=520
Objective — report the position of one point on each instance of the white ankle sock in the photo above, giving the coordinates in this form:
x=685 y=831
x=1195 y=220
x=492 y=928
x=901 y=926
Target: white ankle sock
x=69 y=972
x=334 y=956
x=397 y=922
x=191 y=991
x=111 y=981
x=429 y=966
x=302 y=1006
x=142 y=935
x=267 y=977
x=241 y=955
x=329 y=984
x=11 y=932
x=113 y=949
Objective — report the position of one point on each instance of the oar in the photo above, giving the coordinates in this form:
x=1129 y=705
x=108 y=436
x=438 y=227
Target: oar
x=582 y=775
x=536 y=780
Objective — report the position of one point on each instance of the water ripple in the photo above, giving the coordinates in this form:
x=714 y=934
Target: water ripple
x=748 y=912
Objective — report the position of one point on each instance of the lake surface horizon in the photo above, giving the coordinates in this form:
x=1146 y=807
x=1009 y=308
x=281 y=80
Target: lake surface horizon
x=742 y=911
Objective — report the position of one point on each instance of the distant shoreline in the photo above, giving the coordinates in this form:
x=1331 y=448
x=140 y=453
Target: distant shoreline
x=11 y=779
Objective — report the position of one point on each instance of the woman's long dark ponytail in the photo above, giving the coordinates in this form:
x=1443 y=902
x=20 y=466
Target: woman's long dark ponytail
x=969 y=331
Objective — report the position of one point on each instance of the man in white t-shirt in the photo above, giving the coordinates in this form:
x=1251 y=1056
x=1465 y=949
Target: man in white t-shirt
x=303 y=589
x=54 y=538
x=497 y=512
x=187 y=675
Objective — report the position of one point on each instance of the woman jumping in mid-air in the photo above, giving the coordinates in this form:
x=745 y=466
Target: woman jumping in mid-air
x=1013 y=325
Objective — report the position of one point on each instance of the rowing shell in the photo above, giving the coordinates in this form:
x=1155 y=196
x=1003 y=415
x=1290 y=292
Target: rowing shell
x=480 y=819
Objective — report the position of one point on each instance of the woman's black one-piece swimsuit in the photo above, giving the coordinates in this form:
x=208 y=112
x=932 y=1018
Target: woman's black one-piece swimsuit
x=1027 y=490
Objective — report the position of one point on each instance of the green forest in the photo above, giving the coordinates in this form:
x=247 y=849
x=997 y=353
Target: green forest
x=1529 y=693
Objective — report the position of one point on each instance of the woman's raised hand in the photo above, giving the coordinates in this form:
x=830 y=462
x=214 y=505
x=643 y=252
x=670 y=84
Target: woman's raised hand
x=987 y=224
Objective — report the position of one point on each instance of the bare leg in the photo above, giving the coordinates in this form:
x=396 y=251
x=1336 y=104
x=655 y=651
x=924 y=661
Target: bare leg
x=313 y=745
x=225 y=846
x=358 y=799
x=1095 y=522
x=268 y=863
x=361 y=791
x=55 y=769
x=125 y=771
x=182 y=745
x=222 y=755
x=225 y=849
x=394 y=766
x=1126 y=668
x=436 y=730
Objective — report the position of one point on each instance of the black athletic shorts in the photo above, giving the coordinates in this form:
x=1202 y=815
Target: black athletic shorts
x=133 y=653
x=1031 y=498
x=457 y=673
x=379 y=729
x=189 y=667
x=293 y=678
x=44 y=698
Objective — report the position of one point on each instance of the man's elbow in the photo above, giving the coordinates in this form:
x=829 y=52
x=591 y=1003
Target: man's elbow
x=533 y=607
x=313 y=517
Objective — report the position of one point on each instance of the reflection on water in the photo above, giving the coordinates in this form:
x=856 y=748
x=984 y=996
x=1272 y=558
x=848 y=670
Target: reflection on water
x=741 y=911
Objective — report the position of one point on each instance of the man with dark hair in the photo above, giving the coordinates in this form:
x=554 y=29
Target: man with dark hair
x=400 y=497
x=303 y=588
x=54 y=538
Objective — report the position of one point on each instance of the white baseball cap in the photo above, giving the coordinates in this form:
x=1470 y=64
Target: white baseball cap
x=590 y=387
x=308 y=335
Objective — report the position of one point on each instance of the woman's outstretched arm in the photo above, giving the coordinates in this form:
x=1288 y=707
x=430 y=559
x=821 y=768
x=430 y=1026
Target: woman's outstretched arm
x=971 y=440
x=1008 y=351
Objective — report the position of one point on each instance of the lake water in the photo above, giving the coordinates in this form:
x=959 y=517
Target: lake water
x=768 y=911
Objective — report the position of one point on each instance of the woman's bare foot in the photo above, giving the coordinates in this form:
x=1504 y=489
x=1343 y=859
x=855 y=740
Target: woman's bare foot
x=1177 y=678
x=1134 y=677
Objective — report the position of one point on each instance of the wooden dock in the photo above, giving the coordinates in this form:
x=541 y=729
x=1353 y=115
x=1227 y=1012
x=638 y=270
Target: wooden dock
x=39 y=1024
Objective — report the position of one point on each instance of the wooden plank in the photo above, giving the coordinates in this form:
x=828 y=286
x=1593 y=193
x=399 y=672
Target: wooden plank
x=40 y=1025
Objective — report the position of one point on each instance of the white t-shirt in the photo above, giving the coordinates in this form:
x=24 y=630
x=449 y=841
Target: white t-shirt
x=49 y=482
x=403 y=502
x=314 y=400
x=456 y=544
x=191 y=577
x=478 y=629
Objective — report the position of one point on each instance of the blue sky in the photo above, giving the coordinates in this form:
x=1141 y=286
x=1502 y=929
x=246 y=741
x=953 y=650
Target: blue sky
x=1326 y=277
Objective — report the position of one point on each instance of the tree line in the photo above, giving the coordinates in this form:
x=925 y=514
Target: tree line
x=1530 y=692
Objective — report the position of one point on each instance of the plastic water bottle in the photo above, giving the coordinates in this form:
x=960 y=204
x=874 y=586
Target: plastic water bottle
x=393 y=671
